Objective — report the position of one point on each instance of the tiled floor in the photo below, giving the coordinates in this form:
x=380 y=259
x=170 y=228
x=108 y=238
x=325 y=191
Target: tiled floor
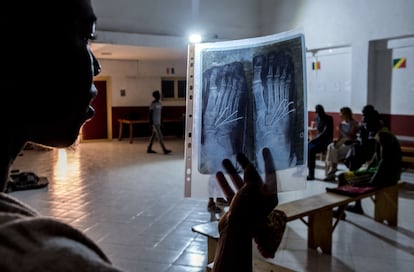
x=132 y=204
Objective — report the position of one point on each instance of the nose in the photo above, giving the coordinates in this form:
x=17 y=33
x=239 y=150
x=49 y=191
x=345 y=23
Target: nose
x=96 y=66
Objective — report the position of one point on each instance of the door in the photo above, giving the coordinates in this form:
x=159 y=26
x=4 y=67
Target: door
x=97 y=127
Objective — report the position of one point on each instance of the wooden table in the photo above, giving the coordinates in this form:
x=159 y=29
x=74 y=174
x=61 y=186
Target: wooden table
x=408 y=154
x=131 y=128
x=133 y=122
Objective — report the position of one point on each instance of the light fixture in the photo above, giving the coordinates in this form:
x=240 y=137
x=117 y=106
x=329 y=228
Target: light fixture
x=194 y=38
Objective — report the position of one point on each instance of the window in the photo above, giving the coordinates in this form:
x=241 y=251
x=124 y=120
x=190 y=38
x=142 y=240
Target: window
x=173 y=88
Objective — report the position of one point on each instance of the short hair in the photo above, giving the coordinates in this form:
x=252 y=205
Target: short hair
x=346 y=111
x=156 y=94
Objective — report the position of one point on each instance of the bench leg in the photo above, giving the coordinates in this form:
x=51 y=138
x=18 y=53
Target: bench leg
x=211 y=252
x=386 y=206
x=131 y=133
x=320 y=231
x=211 y=249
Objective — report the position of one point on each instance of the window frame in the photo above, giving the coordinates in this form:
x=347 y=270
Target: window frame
x=176 y=96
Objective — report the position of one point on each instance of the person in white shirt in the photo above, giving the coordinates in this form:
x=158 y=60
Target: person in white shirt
x=338 y=149
x=155 y=114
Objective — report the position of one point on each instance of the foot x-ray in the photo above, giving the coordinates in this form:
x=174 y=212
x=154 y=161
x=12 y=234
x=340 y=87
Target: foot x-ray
x=247 y=95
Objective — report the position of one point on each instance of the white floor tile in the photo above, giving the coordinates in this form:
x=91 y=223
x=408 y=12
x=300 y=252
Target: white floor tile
x=132 y=203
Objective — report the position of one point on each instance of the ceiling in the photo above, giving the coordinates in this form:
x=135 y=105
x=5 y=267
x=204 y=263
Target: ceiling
x=128 y=52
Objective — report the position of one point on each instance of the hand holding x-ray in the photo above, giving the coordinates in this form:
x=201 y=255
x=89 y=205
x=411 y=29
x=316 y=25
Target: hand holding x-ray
x=272 y=87
x=224 y=88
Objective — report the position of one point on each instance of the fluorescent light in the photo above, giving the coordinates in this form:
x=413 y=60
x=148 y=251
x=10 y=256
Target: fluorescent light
x=194 y=38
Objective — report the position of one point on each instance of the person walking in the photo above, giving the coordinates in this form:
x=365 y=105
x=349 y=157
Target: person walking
x=155 y=122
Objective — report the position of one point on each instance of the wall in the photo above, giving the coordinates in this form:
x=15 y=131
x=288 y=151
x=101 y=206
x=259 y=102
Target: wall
x=331 y=81
x=369 y=31
x=173 y=124
x=402 y=83
x=329 y=24
x=375 y=31
x=139 y=79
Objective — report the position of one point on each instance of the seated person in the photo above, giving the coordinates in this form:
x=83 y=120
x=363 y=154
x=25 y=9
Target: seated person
x=338 y=149
x=364 y=148
x=384 y=168
x=324 y=126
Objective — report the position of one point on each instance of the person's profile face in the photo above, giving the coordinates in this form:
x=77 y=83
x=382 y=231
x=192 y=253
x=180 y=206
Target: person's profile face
x=69 y=90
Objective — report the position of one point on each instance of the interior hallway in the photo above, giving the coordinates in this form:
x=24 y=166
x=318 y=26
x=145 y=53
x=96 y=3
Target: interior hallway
x=131 y=203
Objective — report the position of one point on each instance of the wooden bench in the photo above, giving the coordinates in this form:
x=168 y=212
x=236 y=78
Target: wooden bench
x=318 y=210
x=260 y=265
x=408 y=154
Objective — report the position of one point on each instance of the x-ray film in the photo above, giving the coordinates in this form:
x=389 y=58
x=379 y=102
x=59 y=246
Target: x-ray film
x=242 y=96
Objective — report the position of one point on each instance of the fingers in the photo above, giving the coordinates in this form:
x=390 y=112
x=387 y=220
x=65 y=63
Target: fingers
x=250 y=173
x=231 y=170
x=225 y=187
x=270 y=172
x=269 y=163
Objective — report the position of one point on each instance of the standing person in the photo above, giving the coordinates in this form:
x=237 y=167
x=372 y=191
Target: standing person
x=324 y=126
x=338 y=149
x=155 y=113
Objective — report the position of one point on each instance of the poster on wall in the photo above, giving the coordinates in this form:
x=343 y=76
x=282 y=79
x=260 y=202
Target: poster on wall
x=245 y=95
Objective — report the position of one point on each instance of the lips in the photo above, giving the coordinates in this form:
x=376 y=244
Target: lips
x=90 y=113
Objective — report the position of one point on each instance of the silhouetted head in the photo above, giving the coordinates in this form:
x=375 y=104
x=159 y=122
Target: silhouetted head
x=371 y=118
x=367 y=109
x=156 y=94
x=50 y=87
x=47 y=91
x=346 y=113
x=319 y=109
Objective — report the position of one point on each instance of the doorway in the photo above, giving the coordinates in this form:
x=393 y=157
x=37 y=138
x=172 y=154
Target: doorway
x=97 y=127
